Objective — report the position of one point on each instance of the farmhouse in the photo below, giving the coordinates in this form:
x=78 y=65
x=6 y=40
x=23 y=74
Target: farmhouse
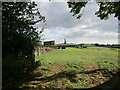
x=49 y=43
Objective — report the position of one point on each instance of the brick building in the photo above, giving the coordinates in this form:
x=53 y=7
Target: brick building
x=49 y=43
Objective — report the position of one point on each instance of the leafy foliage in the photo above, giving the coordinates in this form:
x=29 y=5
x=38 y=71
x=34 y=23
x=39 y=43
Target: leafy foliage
x=17 y=25
x=105 y=9
x=108 y=8
x=76 y=8
x=19 y=37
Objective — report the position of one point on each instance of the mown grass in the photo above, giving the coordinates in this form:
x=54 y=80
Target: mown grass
x=75 y=68
x=105 y=57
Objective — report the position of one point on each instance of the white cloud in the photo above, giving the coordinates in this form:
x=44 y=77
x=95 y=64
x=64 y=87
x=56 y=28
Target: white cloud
x=61 y=24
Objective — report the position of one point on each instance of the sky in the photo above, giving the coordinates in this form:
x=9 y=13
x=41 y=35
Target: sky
x=60 y=24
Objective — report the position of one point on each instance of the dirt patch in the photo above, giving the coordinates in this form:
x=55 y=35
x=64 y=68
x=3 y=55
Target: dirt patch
x=97 y=78
x=90 y=67
x=57 y=67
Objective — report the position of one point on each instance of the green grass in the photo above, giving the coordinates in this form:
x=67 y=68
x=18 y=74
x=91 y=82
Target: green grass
x=69 y=68
x=105 y=57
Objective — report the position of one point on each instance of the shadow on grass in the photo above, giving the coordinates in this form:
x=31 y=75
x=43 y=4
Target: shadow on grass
x=71 y=74
x=65 y=74
x=14 y=77
x=113 y=83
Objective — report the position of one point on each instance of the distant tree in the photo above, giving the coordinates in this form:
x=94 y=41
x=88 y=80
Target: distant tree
x=105 y=9
x=65 y=41
x=96 y=44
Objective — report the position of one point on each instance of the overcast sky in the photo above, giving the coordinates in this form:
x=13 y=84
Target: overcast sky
x=62 y=25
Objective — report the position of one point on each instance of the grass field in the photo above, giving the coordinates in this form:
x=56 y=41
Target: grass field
x=105 y=57
x=75 y=68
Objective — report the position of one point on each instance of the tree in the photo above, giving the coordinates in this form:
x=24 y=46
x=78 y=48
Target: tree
x=64 y=41
x=19 y=36
x=17 y=26
x=108 y=8
x=76 y=8
x=105 y=9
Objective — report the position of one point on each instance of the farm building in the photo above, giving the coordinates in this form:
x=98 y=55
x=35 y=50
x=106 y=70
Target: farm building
x=49 y=43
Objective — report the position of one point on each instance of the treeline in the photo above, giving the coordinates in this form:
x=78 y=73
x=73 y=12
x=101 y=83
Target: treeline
x=107 y=45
